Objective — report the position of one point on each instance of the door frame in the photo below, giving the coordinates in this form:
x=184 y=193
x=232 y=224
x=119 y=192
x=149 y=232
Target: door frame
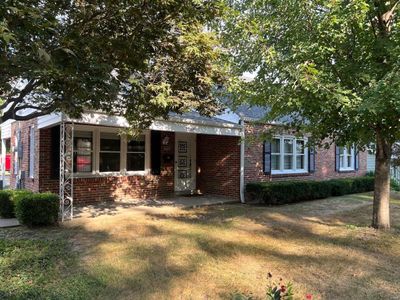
x=191 y=138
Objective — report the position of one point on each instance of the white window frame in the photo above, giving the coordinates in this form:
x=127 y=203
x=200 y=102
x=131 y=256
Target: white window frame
x=32 y=150
x=293 y=170
x=99 y=151
x=146 y=156
x=345 y=159
x=123 y=153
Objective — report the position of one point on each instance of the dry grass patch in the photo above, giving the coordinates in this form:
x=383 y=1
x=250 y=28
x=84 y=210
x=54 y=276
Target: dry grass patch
x=324 y=247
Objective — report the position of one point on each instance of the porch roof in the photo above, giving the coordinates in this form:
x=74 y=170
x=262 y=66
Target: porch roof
x=189 y=122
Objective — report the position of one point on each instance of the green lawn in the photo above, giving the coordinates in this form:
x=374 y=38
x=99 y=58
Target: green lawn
x=324 y=247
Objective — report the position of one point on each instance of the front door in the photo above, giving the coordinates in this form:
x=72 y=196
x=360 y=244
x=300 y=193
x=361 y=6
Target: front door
x=185 y=162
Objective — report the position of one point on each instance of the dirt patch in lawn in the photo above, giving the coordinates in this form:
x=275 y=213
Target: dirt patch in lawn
x=324 y=247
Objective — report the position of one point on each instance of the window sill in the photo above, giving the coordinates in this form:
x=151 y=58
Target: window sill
x=289 y=172
x=282 y=175
x=110 y=174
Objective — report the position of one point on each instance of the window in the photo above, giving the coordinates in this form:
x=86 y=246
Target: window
x=110 y=152
x=346 y=158
x=288 y=155
x=83 y=152
x=135 y=155
x=100 y=150
x=31 y=152
x=276 y=154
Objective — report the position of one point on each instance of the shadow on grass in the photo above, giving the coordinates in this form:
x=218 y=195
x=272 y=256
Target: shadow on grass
x=148 y=260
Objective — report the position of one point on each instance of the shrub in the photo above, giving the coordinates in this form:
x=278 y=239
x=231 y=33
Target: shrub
x=37 y=209
x=297 y=191
x=394 y=185
x=8 y=199
x=6 y=204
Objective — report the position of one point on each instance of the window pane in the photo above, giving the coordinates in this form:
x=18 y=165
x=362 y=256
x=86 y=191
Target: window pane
x=83 y=141
x=82 y=162
x=136 y=145
x=288 y=146
x=83 y=145
x=299 y=147
x=109 y=142
x=275 y=162
x=300 y=162
x=341 y=163
x=288 y=162
x=276 y=146
x=109 y=162
x=341 y=150
x=349 y=161
x=135 y=162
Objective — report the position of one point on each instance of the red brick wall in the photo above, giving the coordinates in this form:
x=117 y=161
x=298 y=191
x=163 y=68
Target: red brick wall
x=324 y=162
x=218 y=165
x=29 y=183
x=110 y=188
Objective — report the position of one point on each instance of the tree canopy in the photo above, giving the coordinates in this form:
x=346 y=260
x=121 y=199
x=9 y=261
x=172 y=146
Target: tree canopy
x=332 y=66
x=139 y=59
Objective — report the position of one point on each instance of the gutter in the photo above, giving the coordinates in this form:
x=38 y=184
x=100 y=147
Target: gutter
x=242 y=147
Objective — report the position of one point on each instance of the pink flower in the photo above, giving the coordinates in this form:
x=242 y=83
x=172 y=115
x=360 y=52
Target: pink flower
x=308 y=296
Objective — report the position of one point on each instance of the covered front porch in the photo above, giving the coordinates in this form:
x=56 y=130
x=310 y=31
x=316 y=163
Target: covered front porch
x=184 y=159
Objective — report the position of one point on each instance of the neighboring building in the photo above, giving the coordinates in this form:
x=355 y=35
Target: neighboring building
x=287 y=157
x=371 y=160
x=183 y=155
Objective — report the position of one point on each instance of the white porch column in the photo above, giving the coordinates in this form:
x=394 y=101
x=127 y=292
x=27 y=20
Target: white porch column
x=242 y=150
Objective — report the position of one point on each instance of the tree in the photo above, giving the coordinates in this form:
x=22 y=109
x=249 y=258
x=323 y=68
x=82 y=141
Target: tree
x=333 y=66
x=136 y=58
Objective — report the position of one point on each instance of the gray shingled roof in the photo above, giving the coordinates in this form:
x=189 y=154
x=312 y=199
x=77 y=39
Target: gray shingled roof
x=251 y=113
x=196 y=116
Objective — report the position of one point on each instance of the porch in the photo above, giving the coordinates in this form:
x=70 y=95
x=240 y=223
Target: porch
x=176 y=162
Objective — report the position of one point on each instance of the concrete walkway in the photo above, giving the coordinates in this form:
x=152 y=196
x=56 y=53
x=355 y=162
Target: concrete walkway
x=113 y=208
x=4 y=223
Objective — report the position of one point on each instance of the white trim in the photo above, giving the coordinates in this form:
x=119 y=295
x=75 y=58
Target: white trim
x=176 y=123
x=345 y=159
x=283 y=171
x=49 y=120
x=3 y=160
x=6 y=129
x=96 y=130
x=242 y=170
x=32 y=151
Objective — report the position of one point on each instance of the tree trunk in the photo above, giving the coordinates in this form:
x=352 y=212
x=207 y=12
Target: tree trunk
x=381 y=212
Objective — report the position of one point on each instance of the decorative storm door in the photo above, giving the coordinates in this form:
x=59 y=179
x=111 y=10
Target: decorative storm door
x=185 y=162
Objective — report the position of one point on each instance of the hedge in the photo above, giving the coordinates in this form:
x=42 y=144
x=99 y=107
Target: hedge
x=284 y=192
x=37 y=209
x=8 y=199
x=6 y=205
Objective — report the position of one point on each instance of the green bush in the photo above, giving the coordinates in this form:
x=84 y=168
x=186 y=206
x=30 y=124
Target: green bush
x=37 y=209
x=297 y=191
x=6 y=204
x=8 y=199
x=394 y=185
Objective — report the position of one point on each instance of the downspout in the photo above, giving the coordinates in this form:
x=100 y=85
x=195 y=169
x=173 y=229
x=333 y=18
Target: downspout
x=242 y=145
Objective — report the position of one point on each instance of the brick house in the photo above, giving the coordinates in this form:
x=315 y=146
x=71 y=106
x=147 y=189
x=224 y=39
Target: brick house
x=182 y=155
x=287 y=157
